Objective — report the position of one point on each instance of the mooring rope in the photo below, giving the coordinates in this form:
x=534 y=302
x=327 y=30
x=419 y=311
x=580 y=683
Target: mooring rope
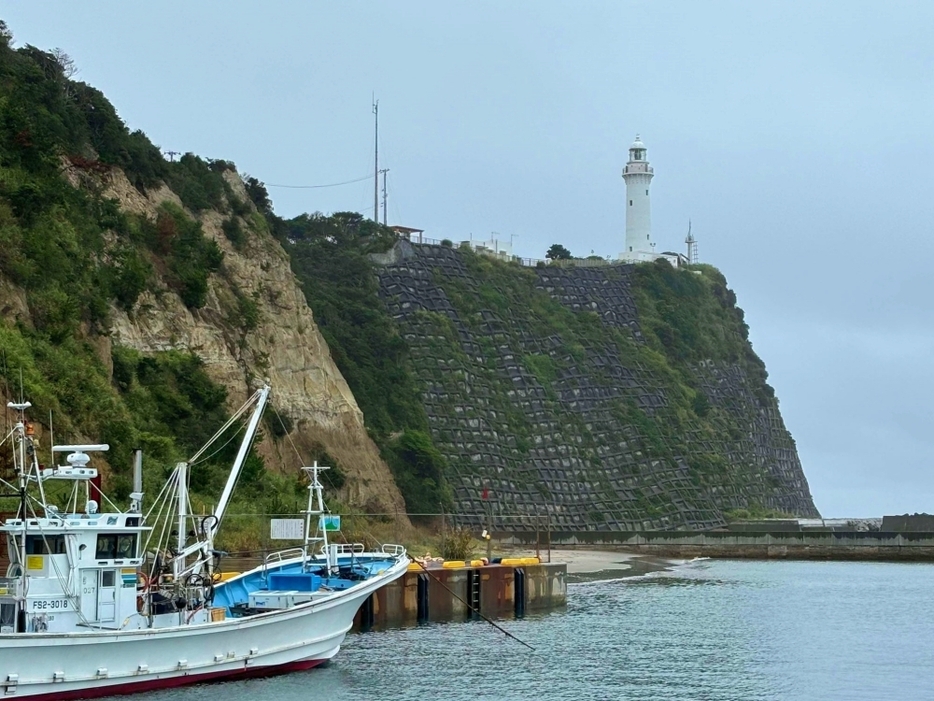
x=475 y=610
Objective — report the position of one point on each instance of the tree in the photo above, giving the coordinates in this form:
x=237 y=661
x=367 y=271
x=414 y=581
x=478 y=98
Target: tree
x=558 y=252
x=257 y=192
x=66 y=63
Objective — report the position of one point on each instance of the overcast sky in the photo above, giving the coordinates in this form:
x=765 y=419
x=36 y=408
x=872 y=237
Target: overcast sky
x=797 y=136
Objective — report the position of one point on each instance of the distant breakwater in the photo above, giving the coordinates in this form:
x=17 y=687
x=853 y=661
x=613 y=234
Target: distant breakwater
x=838 y=545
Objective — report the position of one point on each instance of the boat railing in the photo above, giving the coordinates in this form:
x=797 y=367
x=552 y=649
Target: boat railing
x=281 y=555
x=393 y=549
x=348 y=548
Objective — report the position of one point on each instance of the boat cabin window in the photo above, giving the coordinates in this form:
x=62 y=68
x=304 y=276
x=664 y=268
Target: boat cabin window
x=7 y=617
x=116 y=546
x=45 y=545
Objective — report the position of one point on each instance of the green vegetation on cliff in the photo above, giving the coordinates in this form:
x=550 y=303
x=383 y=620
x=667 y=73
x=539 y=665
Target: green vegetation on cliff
x=74 y=254
x=694 y=318
x=611 y=397
x=330 y=255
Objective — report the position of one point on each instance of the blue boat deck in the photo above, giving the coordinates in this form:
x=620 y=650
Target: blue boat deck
x=234 y=594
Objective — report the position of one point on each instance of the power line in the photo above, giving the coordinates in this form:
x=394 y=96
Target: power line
x=315 y=187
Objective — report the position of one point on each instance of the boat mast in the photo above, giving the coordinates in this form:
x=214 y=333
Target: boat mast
x=240 y=459
x=316 y=509
x=206 y=542
x=19 y=458
x=178 y=563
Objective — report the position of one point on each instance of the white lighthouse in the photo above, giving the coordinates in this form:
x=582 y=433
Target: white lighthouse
x=638 y=175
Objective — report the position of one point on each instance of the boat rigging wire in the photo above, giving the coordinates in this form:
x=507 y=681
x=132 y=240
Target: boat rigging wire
x=208 y=457
x=242 y=410
x=287 y=433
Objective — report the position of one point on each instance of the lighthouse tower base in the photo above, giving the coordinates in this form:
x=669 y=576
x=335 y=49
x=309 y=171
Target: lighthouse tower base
x=639 y=256
x=677 y=260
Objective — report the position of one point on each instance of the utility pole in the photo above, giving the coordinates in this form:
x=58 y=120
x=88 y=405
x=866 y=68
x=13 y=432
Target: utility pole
x=172 y=155
x=376 y=161
x=385 y=196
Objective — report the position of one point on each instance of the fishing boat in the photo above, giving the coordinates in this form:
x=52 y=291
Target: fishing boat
x=98 y=600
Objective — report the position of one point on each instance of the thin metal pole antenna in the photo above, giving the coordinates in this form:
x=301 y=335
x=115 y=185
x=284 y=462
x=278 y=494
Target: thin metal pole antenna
x=376 y=161
x=385 y=195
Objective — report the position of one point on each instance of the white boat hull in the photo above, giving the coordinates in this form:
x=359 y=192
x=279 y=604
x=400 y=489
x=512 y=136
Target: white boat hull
x=100 y=663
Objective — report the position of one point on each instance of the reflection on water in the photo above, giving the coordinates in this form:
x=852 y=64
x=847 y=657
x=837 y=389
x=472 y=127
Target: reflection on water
x=713 y=630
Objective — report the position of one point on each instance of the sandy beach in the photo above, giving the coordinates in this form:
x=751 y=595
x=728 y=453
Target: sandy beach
x=586 y=565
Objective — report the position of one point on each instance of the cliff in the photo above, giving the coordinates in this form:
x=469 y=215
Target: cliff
x=617 y=397
x=279 y=343
x=140 y=297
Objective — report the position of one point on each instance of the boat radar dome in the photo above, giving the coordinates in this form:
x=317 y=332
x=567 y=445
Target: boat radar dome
x=78 y=459
x=91 y=507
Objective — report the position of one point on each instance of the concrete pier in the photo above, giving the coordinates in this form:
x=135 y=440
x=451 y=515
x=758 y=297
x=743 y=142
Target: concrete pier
x=439 y=594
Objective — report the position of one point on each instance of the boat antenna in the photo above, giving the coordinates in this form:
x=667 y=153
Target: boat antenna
x=6 y=385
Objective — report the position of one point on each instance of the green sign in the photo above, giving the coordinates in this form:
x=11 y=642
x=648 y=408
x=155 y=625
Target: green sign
x=330 y=522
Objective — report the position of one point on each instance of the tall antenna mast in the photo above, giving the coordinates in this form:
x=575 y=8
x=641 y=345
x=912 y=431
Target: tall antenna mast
x=692 y=245
x=376 y=161
x=385 y=195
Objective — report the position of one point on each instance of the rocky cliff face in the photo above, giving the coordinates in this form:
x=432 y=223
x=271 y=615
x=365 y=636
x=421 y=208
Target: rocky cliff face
x=542 y=390
x=281 y=345
x=285 y=347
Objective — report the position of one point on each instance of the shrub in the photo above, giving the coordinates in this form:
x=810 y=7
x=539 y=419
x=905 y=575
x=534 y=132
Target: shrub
x=419 y=471
x=701 y=404
x=234 y=232
x=257 y=193
x=128 y=277
x=558 y=252
x=198 y=183
x=192 y=257
x=457 y=544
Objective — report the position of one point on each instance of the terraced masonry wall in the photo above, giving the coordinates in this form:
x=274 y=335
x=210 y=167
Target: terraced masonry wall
x=544 y=388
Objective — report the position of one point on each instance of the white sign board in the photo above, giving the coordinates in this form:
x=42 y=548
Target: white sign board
x=286 y=529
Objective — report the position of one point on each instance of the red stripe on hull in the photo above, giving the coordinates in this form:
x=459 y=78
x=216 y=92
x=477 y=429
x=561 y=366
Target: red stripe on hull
x=170 y=682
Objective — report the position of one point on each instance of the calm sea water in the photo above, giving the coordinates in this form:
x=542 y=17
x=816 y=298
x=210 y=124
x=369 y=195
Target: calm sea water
x=712 y=630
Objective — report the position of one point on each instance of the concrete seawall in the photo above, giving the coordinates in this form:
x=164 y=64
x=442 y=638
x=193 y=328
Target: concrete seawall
x=497 y=591
x=837 y=545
